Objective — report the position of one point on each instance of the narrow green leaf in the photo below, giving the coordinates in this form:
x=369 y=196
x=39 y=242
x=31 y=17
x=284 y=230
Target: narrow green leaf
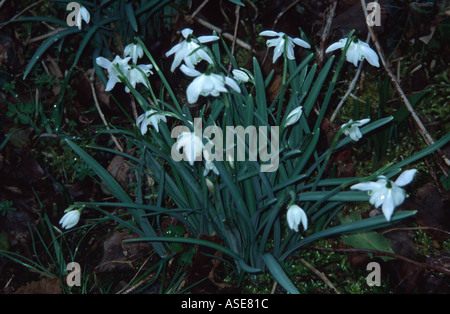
x=278 y=273
x=130 y=15
x=45 y=45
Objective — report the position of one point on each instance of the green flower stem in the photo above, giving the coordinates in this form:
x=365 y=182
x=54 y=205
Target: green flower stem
x=283 y=84
x=161 y=75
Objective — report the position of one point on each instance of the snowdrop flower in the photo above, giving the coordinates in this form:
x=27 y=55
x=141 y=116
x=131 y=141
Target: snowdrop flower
x=357 y=51
x=70 y=219
x=351 y=129
x=134 y=51
x=295 y=215
x=207 y=84
x=136 y=76
x=386 y=192
x=279 y=43
x=83 y=14
x=190 y=51
x=294 y=116
x=113 y=73
x=240 y=76
x=150 y=117
x=209 y=164
x=192 y=145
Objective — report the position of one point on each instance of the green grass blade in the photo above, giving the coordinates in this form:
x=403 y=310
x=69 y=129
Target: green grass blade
x=278 y=273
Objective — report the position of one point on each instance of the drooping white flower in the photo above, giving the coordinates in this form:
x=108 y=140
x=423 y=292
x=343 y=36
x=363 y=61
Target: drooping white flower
x=83 y=14
x=192 y=145
x=189 y=50
x=279 y=44
x=387 y=193
x=351 y=128
x=70 y=219
x=294 y=116
x=150 y=117
x=206 y=84
x=209 y=164
x=357 y=51
x=295 y=215
x=240 y=75
x=138 y=75
x=134 y=51
x=113 y=73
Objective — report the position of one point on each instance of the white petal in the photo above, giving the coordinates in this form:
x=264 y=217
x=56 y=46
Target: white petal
x=370 y=55
x=294 y=116
x=193 y=91
x=365 y=186
x=398 y=195
x=406 y=177
x=269 y=33
x=362 y=122
x=230 y=82
x=301 y=43
x=278 y=51
x=339 y=45
x=240 y=75
x=189 y=71
x=103 y=62
x=388 y=207
x=174 y=49
x=111 y=83
x=186 y=32
x=85 y=14
x=207 y=39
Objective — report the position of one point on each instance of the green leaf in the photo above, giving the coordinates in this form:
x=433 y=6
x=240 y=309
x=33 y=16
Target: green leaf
x=357 y=226
x=278 y=273
x=45 y=45
x=130 y=15
x=366 y=240
x=238 y=2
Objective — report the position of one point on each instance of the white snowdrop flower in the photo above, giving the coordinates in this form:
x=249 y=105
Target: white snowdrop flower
x=351 y=129
x=70 y=219
x=387 y=193
x=294 y=116
x=134 y=51
x=136 y=76
x=83 y=14
x=295 y=215
x=150 y=117
x=357 y=51
x=189 y=50
x=206 y=84
x=113 y=73
x=240 y=75
x=192 y=146
x=279 y=44
x=209 y=164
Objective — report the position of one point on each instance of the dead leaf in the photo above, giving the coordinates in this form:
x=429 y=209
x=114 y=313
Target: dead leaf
x=43 y=286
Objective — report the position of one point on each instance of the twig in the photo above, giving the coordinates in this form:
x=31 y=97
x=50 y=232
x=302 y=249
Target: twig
x=236 y=24
x=381 y=253
x=91 y=82
x=320 y=275
x=225 y=35
x=200 y=7
x=42 y=37
x=218 y=30
x=350 y=88
x=326 y=30
x=422 y=130
x=284 y=12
